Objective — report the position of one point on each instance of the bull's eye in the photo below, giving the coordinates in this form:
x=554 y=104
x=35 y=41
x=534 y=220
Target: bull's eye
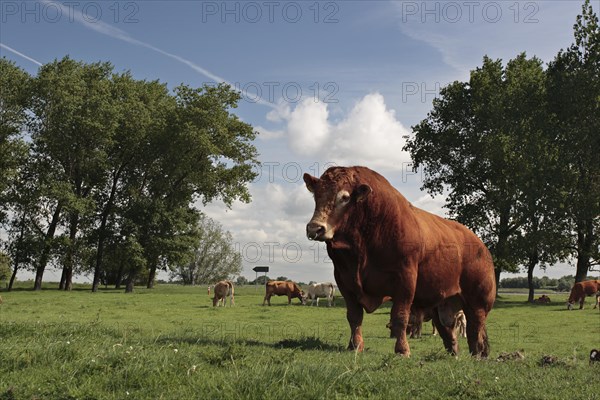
x=343 y=197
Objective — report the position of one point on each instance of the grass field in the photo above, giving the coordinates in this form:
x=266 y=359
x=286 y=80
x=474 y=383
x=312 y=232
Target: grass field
x=170 y=343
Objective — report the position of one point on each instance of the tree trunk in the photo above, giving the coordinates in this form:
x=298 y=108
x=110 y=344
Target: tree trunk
x=531 y=263
x=68 y=267
x=130 y=282
x=120 y=275
x=13 y=277
x=585 y=240
x=39 y=273
x=500 y=256
x=61 y=285
x=151 y=276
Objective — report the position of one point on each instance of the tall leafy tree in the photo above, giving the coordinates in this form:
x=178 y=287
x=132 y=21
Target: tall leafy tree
x=75 y=121
x=15 y=86
x=574 y=102
x=142 y=108
x=466 y=145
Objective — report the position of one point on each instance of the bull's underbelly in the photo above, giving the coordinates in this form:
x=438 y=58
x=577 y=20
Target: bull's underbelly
x=430 y=289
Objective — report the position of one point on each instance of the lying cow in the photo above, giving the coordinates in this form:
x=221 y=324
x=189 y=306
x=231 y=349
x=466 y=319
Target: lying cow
x=317 y=290
x=382 y=245
x=580 y=291
x=283 y=288
x=222 y=290
x=543 y=299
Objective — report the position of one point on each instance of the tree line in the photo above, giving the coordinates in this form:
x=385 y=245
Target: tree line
x=516 y=149
x=103 y=174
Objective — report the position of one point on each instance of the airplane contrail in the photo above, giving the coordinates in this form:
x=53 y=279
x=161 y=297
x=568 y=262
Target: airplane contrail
x=33 y=60
x=116 y=33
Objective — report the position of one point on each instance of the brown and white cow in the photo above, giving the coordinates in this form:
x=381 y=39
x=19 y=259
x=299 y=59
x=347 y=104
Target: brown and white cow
x=580 y=290
x=317 y=290
x=222 y=290
x=283 y=288
x=381 y=245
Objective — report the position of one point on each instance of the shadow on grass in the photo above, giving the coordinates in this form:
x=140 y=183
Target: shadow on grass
x=304 y=343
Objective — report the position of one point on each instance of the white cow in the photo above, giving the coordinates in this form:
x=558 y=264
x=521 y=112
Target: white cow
x=324 y=289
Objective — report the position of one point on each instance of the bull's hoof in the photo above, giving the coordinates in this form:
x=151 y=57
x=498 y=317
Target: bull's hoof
x=403 y=354
x=360 y=347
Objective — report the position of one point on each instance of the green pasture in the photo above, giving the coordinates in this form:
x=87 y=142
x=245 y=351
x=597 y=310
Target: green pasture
x=170 y=343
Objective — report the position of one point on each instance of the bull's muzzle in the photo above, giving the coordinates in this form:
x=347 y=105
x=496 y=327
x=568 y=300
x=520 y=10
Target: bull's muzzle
x=315 y=230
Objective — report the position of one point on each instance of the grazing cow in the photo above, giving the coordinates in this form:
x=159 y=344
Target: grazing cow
x=460 y=324
x=222 y=290
x=208 y=290
x=381 y=245
x=325 y=290
x=283 y=288
x=417 y=317
x=580 y=290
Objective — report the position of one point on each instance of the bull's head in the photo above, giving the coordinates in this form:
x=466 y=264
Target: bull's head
x=569 y=305
x=334 y=199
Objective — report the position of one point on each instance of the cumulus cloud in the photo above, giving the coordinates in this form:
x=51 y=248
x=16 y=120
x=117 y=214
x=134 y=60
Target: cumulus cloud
x=369 y=134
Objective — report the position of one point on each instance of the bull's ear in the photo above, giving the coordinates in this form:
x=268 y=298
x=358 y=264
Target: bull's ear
x=362 y=192
x=310 y=181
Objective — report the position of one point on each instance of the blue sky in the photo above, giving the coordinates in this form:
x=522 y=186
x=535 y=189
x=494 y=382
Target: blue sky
x=323 y=82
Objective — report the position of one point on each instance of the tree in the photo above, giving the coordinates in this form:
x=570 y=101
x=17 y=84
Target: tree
x=14 y=102
x=74 y=122
x=574 y=102
x=241 y=280
x=213 y=257
x=470 y=144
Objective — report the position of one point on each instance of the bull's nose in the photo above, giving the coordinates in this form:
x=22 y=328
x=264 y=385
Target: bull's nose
x=314 y=230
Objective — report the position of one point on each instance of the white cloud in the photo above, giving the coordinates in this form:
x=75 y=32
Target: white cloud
x=434 y=205
x=308 y=127
x=369 y=134
x=268 y=134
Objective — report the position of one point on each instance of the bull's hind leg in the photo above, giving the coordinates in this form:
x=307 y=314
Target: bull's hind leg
x=446 y=333
x=476 y=332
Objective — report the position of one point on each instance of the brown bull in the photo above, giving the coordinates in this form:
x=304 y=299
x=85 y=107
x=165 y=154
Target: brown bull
x=381 y=245
x=283 y=288
x=580 y=290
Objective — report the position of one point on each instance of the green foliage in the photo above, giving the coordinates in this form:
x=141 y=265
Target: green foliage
x=14 y=100
x=212 y=256
x=574 y=103
x=112 y=157
x=516 y=148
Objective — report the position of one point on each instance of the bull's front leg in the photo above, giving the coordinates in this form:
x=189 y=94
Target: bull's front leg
x=354 y=315
x=399 y=322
